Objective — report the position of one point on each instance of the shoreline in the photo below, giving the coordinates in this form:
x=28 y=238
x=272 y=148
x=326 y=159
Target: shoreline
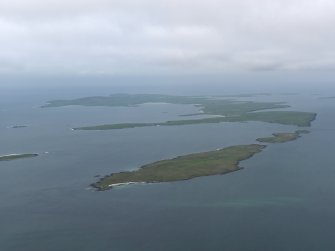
x=111 y=186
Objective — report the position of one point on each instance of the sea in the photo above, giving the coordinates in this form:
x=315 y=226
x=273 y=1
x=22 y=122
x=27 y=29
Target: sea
x=282 y=199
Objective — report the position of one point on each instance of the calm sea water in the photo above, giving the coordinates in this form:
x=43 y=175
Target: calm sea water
x=282 y=200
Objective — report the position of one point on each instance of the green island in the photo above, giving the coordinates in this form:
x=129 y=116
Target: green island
x=209 y=104
x=283 y=137
x=185 y=167
x=280 y=117
x=15 y=156
x=224 y=110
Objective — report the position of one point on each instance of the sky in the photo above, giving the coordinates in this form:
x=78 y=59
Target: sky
x=153 y=37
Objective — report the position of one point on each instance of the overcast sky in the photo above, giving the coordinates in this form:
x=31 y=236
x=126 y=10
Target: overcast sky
x=165 y=36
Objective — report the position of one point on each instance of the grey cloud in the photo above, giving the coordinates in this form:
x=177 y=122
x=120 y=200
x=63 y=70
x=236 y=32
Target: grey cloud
x=145 y=36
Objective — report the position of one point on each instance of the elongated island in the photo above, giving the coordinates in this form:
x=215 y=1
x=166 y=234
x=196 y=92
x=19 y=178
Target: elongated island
x=185 y=167
x=224 y=110
x=18 y=126
x=283 y=137
x=15 y=156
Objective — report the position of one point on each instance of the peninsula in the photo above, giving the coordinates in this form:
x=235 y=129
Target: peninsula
x=185 y=167
x=15 y=156
x=282 y=137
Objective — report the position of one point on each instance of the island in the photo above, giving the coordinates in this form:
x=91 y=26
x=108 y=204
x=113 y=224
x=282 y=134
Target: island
x=18 y=126
x=282 y=137
x=208 y=104
x=224 y=110
x=15 y=156
x=220 y=161
x=301 y=119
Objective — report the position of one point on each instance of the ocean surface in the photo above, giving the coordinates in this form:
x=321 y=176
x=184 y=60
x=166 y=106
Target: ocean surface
x=283 y=199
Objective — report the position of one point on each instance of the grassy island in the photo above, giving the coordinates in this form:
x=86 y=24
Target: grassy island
x=183 y=167
x=282 y=137
x=279 y=117
x=210 y=105
x=17 y=156
x=225 y=110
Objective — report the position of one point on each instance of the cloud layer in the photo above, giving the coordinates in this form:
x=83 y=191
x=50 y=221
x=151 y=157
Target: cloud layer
x=165 y=36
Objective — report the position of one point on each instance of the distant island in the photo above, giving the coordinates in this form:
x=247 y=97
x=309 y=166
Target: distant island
x=18 y=126
x=301 y=119
x=15 y=156
x=186 y=167
x=225 y=110
x=283 y=137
